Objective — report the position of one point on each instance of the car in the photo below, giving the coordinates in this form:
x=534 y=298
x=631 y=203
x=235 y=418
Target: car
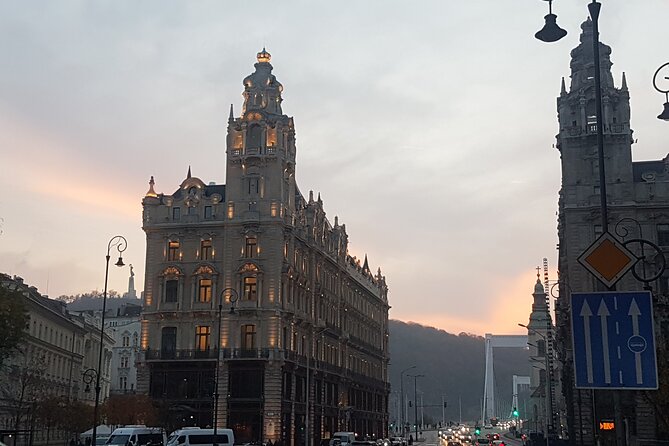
x=482 y=441
x=453 y=443
x=399 y=441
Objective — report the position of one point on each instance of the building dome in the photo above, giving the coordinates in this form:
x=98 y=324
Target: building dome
x=263 y=56
x=539 y=287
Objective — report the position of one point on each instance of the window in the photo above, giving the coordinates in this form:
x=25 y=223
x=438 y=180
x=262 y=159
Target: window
x=202 y=334
x=205 y=250
x=173 y=250
x=204 y=292
x=250 y=288
x=124 y=361
x=250 y=250
x=192 y=210
x=176 y=213
x=168 y=343
x=126 y=341
x=253 y=186
x=231 y=210
x=123 y=382
x=171 y=290
x=208 y=212
x=248 y=336
x=663 y=235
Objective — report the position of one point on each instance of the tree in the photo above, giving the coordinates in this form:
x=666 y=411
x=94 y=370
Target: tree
x=13 y=322
x=24 y=390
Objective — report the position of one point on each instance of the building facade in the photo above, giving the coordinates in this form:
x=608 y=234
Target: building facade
x=124 y=326
x=638 y=207
x=305 y=353
x=58 y=347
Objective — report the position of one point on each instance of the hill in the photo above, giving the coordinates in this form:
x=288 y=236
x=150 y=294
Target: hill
x=453 y=365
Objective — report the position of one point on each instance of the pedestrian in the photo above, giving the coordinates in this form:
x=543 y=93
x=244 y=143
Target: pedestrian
x=410 y=440
x=72 y=443
x=88 y=441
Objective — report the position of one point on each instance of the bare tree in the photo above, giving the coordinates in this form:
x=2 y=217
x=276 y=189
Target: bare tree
x=22 y=388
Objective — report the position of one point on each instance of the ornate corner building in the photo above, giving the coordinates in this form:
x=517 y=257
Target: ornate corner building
x=638 y=207
x=305 y=350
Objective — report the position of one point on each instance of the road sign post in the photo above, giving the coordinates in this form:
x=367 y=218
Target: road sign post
x=614 y=340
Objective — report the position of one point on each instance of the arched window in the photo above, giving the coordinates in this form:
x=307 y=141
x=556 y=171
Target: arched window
x=170 y=282
x=204 y=281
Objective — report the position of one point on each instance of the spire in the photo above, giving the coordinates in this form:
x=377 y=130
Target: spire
x=563 y=88
x=151 y=192
x=582 y=61
x=188 y=174
x=232 y=114
x=624 y=85
x=365 y=265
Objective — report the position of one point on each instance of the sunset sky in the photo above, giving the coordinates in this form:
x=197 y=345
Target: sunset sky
x=427 y=127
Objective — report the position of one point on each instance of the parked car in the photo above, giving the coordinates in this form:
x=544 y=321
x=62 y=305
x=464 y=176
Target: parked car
x=137 y=436
x=201 y=437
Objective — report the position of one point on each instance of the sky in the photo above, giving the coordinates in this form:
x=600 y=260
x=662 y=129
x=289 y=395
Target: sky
x=426 y=126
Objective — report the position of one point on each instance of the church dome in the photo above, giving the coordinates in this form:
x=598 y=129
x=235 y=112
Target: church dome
x=539 y=287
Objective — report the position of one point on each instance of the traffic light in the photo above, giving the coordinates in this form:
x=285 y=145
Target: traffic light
x=515 y=412
x=445 y=404
x=477 y=431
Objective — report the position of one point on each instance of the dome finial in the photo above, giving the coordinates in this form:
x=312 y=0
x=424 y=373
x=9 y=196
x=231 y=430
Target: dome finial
x=263 y=56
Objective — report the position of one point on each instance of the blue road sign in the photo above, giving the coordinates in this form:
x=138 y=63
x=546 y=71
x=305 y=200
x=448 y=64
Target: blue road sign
x=614 y=340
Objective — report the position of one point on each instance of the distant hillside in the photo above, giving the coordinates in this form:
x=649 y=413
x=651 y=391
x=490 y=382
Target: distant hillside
x=453 y=365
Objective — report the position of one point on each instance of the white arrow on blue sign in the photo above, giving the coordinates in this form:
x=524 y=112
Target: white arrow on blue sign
x=614 y=340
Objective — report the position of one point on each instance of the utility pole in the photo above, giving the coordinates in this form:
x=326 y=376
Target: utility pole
x=443 y=411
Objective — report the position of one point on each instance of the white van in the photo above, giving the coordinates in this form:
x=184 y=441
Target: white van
x=201 y=437
x=342 y=438
x=137 y=436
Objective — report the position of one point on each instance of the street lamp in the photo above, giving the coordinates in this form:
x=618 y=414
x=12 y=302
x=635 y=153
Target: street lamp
x=548 y=384
x=402 y=409
x=88 y=377
x=665 y=113
x=234 y=296
x=551 y=32
x=120 y=243
x=415 y=406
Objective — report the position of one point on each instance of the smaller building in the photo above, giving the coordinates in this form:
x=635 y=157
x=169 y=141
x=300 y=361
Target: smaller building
x=539 y=341
x=124 y=327
x=57 y=349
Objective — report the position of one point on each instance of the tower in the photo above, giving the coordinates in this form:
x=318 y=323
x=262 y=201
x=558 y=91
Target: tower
x=636 y=201
x=260 y=170
x=577 y=138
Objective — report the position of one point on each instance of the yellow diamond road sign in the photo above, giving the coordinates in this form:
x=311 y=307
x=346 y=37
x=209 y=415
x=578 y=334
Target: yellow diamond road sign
x=607 y=259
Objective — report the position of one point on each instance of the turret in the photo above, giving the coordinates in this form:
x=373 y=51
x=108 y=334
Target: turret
x=261 y=149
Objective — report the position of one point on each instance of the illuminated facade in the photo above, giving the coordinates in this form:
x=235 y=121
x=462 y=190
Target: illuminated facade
x=310 y=322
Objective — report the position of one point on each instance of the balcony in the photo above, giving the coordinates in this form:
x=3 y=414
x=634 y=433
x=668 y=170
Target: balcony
x=180 y=355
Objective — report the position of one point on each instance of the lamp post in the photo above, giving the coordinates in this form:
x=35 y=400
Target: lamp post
x=402 y=408
x=665 y=112
x=88 y=377
x=415 y=406
x=549 y=402
x=120 y=243
x=234 y=296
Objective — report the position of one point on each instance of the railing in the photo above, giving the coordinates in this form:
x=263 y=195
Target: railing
x=180 y=354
